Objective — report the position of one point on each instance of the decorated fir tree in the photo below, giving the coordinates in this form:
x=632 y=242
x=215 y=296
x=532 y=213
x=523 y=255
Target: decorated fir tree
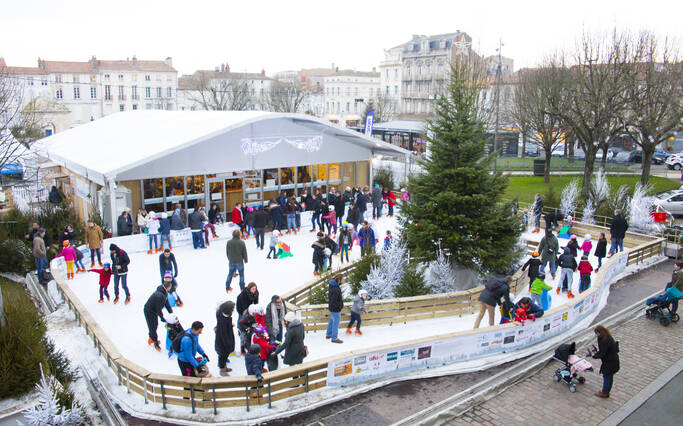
x=48 y=411
x=413 y=283
x=458 y=200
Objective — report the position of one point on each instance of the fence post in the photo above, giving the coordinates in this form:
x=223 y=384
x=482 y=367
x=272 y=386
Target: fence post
x=192 y=397
x=144 y=384
x=213 y=397
x=306 y=380
x=163 y=395
x=127 y=379
x=118 y=368
x=269 y=402
x=246 y=395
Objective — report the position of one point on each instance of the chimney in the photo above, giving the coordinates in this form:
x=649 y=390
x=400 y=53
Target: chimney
x=169 y=61
x=222 y=67
x=93 y=61
x=135 y=60
x=227 y=67
x=263 y=71
x=41 y=64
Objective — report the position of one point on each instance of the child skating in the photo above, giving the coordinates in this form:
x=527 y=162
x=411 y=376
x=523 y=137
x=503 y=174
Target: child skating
x=345 y=242
x=173 y=330
x=261 y=339
x=105 y=277
x=274 y=240
x=585 y=269
x=69 y=255
x=587 y=245
x=537 y=288
x=600 y=250
x=387 y=241
x=357 y=308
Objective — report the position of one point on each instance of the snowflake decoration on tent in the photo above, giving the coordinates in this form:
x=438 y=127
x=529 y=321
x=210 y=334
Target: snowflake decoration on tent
x=258 y=146
x=307 y=144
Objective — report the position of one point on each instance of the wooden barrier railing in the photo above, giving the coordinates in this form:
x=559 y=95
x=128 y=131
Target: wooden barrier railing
x=218 y=392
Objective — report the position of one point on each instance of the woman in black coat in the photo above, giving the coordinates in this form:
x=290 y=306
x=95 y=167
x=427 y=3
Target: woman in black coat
x=496 y=291
x=225 y=336
x=608 y=352
x=248 y=296
x=67 y=235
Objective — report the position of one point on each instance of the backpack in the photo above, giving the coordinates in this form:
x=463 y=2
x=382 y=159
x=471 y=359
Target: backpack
x=177 y=340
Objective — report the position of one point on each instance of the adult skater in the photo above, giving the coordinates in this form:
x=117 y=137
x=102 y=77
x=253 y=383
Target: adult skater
x=366 y=237
x=548 y=247
x=93 y=241
x=617 y=230
x=248 y=297
x=119 y=265
x=189 y=346
x=236 y=251
x=496 y=292
x=195 y=221
x=294 y=348
x=167 y=263
x=335 y=305
x=260 y=223
x=40 y=255
x=156 y=302
x=377 y=201
x=124 y=224
x=225 y=336
x=275 y=315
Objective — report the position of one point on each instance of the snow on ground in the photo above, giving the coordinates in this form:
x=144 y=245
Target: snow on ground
x=201 y=286
x=201 y=282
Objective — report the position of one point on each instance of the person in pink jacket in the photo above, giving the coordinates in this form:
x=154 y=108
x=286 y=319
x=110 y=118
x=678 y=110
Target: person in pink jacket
x=587 y=245
x=331 y=221
x=69 y=255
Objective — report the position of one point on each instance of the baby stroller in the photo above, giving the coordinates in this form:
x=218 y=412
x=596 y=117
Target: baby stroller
x=663 y=307
x=573 y=365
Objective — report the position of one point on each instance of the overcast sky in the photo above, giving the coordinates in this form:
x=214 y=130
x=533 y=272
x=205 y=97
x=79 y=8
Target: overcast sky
x=286 y=35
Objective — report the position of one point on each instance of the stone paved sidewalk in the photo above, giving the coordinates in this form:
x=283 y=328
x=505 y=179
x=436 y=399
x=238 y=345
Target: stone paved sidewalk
x=646 y=350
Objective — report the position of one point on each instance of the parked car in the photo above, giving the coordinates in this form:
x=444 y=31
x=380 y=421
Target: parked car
x=675 y=162
x=671 y=201
x=622 y=157
x=637 y=158
x=664 y=155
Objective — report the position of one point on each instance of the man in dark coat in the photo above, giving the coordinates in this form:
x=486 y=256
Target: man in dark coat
x=54 y=197
x=260 y=223
x=68 y=235
x=119 y=265
x=236 y=251
x=124 y=224
x=548 y=248
x=377 y=201
x=294 y=340
x=213 y=214
x=195 y=222
x=354 y=216
x=339 y=207
x=225 y=336
x=335 y=305
x=153 y=309
x=617 y=230
x=35 y=227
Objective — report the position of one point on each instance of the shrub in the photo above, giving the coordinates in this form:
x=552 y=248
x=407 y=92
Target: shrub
x=360 y=272
x=21 y=341
x=413 y=283
x=60 y=368
x=385 y=177
x=15 y=255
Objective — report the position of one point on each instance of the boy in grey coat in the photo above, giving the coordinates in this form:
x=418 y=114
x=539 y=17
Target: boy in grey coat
x=357 y=308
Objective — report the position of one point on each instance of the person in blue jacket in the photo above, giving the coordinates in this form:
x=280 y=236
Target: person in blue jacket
x=189 y=346
x=165 y=231
x=253 y=362
x=366 y=236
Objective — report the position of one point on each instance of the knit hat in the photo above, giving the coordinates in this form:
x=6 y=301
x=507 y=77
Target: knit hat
x=541 y=275
x=151 y=215
x=573 y=237
x=259 y=329
x=587 y=237
x=107 y=265
x=168 y=275
x=348 y=188
x=362 y=292
x=290 y=316
x=331 y=208
x=534 y=254
x=227 y=308
x=250 y=209
x=565 y=249
x=376 y=185
x=255 y=309
x=164 y=215
x=65 y=243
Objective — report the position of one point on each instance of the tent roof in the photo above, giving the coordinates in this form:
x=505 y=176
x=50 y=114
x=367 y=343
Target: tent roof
x=153 y=143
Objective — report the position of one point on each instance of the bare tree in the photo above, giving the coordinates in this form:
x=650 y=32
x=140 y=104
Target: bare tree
x=19 y=126
x=384 y=106
x=285 y=97
x=654 y=97
x=536 y=91
x=222 y=91
x=519 y=116
x=593 y=94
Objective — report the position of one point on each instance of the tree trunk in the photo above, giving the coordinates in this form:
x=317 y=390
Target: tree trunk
x=546 y=174
x=571 y=151
x=603 y=160
x=523 y=145
x=647 y=164
x=588 y=173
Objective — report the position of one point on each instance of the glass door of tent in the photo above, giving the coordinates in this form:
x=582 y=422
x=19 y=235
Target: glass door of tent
x=253 y=188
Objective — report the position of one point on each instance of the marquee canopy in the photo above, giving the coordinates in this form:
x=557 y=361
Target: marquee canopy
x=152 y=144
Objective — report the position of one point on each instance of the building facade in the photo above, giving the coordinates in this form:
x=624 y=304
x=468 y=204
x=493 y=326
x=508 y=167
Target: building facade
x=346 y=94
x=390 y=71
x=95 y=88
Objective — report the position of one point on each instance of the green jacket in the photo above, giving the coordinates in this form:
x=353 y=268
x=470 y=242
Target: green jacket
x=538 y=286
x=236 y=251
x=548 y=248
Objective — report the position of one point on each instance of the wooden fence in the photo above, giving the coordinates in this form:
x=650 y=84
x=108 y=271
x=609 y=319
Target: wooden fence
x=219 y=392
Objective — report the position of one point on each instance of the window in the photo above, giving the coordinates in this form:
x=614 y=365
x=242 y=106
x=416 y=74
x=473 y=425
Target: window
x=396 y=74
x=338 y=91
x=134 y=77
x=58 y=78
x=148 y=93
x=107 y=93
x=387 y=90
x=148 y=106
x=348 y=91
x=169 y=92
x=372 y=91
x=122 y=107
x=396 y=90
x=59 y=93
x=355 y=107
x=158 y=92
x=135 y=106
x=74 y=79
x=106 y=76
x=252 y=91
x=43 y=82
x=121 y=95
x=77 y=92
x=387 y=74
x=120 y=77
x=30 y=81
x=261 y=91
x=348 y=107
x=93 y=92
x=356 y=91
x=148 y=78
x=419 y=70
x=134 y=92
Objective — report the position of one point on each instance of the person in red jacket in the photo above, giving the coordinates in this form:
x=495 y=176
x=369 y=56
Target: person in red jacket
x=105 y=278
x=390 y=199
x=236 y=215
x=261 y=339
x=585 y=269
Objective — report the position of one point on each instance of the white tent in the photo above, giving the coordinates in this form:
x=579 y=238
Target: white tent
x=148 y=144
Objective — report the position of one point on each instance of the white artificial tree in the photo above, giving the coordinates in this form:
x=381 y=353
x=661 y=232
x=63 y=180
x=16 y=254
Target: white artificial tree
x=570 y=195
x=600 y=190
x=639 y=212
x=48 y=412
x=440 y=275
x=384 y=277
x=589 y=212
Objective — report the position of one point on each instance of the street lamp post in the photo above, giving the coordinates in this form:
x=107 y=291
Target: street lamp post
x=499 y=68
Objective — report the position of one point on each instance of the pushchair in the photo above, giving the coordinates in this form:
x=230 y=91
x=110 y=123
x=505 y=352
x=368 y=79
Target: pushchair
x=572 y=366
x=663 y=307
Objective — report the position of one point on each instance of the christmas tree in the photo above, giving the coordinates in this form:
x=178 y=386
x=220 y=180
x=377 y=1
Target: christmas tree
x=458 y=201
x=440 y=276
x=386 y=275
x=48 y=412
x=413 y=283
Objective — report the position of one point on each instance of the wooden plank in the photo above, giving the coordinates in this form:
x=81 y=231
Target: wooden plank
x=170 y=380
x=232 y=402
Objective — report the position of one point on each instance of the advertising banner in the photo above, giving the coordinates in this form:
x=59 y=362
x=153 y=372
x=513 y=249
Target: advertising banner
x=371 y=365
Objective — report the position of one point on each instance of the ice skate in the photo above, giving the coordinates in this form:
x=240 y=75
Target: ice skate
x=116 y=300
x=225 y=371
x=100 y=301
x=127 y=300
x=358 y=333
x=348 y=331
x=570 y=295
x=558 y=290
x=150 y=341
x=149 y=251
x=157 y=347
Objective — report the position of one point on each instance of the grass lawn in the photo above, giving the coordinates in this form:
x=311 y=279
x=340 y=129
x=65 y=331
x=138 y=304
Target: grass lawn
x=525 y=187
x=556 y=164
